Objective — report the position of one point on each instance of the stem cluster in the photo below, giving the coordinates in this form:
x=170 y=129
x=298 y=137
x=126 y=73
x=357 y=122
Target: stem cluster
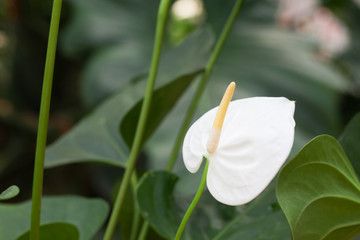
x=136 y=146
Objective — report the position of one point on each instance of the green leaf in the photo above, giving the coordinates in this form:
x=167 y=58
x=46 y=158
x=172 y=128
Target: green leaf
x=350 y=139
x=96 y=138
x=55 y=231
x=87 y=215
x=319 y=192
x=163 y=206
x=10 y=192
x=162 y=103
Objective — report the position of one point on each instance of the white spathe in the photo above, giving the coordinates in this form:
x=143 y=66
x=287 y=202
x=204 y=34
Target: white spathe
x=256 y=139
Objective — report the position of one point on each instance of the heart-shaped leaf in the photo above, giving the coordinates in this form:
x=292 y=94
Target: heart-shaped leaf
x=164 y=208
x=10 y=192
x=319 y=192
x=55 y=231
x=87 y=215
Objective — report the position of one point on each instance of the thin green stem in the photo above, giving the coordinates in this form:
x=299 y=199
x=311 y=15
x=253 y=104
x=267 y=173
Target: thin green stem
x=144 y=230
x=205 y=78
x=136 y=217
x=193 y=203
x=136 y=147
x=43 y=121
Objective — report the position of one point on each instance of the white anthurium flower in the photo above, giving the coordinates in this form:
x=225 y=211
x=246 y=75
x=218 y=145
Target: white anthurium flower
x=256 y=138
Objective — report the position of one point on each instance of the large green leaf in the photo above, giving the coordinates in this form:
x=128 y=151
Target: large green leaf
x=87 y=215
x=164 y=207
x=350 y=139
x=319 y=192
x=55 y=231
x=96 y=138
x=10 y=192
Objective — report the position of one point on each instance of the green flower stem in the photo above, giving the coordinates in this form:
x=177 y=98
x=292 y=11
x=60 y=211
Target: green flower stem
x=136 y=147
x=43 y=121
x=205 y=78
x=136 y=217
x=193 y=203
x=144 y=230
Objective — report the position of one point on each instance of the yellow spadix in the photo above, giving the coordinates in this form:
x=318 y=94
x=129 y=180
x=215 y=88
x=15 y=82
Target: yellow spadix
x=219 y=119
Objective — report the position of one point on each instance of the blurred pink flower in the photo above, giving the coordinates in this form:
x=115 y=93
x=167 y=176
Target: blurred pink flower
x=331 y=35
x=319 y=23
x=292 y=13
